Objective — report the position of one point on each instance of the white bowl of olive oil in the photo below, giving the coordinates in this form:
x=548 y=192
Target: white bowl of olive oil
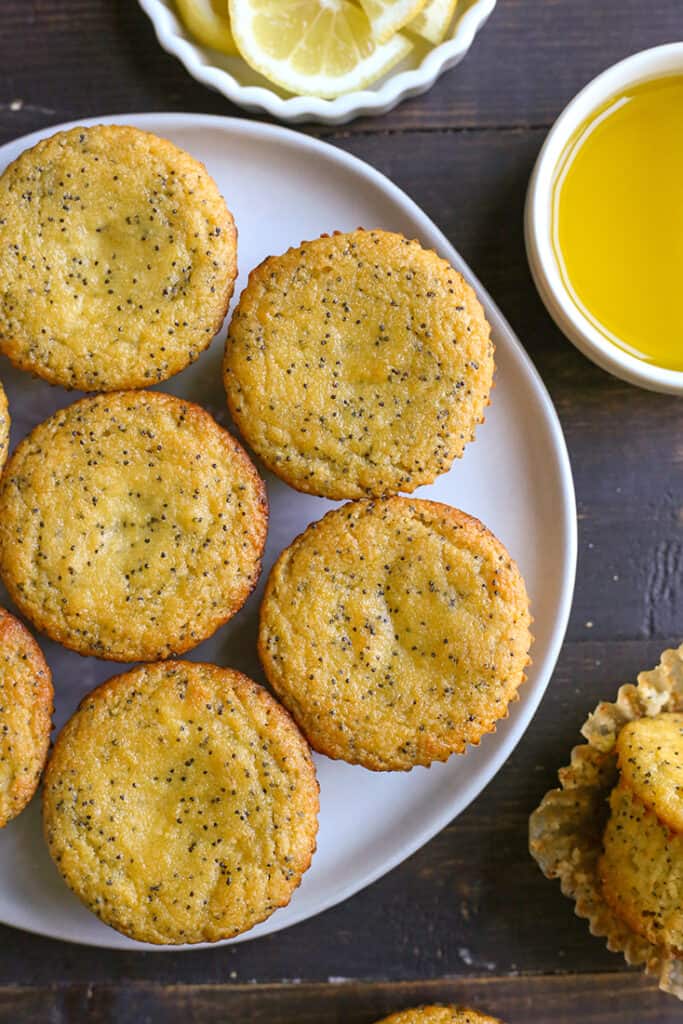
x=604 y=220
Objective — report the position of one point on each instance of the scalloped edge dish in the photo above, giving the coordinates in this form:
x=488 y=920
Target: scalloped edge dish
x=210 y=68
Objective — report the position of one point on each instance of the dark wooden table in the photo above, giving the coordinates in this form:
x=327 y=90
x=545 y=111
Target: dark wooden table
x=469 y=917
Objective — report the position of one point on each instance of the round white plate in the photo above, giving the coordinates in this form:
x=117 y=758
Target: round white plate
x=283 y=187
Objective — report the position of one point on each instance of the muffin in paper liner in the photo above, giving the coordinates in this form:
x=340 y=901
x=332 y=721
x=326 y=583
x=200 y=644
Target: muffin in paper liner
x=565 y=831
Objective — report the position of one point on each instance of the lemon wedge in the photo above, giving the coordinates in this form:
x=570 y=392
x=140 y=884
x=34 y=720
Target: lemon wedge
x=389 y=16
x=209 y=23
x=313 y=47
x=433 y=20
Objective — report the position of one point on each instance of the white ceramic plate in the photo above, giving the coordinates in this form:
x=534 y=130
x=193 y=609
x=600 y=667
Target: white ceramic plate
x=233 y=77
x=283 y=187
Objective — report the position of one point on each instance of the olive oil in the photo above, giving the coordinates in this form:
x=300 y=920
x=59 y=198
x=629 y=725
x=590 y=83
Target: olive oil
x=618 y=220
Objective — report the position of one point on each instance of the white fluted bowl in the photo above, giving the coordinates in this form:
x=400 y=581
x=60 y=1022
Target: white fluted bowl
x=232 y=77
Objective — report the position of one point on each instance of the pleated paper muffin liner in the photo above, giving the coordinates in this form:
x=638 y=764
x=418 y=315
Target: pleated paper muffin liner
x=565 y=831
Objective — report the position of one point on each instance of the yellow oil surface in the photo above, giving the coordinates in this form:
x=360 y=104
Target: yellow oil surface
x=618 y=220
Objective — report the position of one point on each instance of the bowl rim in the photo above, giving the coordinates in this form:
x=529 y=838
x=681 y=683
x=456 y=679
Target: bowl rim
x=397 y=86
x=658 y=61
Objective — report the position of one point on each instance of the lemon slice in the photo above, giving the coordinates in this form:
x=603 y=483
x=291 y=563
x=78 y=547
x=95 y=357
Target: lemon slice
x=209 y=23
x=313 y=47
x=387 y=17
x=433 y=20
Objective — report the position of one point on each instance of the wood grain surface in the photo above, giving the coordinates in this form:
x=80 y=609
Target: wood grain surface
x=469 y=917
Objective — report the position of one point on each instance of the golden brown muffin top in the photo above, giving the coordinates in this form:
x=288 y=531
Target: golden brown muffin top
x=119 y=259
x=4 y=426
x=131 y=526
x=650 y=757
x=25 y=715
x=396 y=631
x=358 y=364
x=439 y=1015
x=180 y=803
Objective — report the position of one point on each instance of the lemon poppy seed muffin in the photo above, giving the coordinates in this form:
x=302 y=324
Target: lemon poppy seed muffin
x=25 y=716
x=131 y=526
x=641 y=867
x=119 y=259
x=439 y=1015
x=4 y=426
x=358 y=364
x=650 y=758
x=609 y=834
x=396 y=631
x=641 y=870
x=180 y=803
